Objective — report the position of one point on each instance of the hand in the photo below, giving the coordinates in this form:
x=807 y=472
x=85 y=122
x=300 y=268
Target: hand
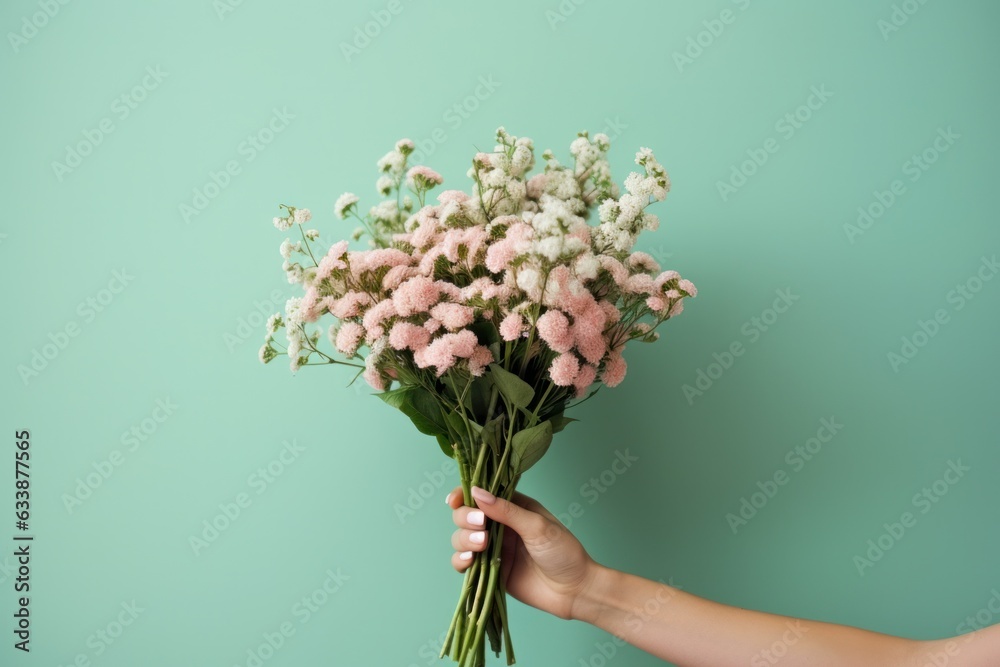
x=544 y=565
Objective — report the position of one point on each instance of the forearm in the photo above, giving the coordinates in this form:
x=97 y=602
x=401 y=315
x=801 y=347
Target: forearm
x=694 y=632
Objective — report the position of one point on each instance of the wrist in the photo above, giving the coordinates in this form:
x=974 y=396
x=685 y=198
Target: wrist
x=596 y=595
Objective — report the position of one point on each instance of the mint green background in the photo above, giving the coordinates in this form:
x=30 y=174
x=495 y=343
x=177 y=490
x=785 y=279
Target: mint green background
x=336 y=505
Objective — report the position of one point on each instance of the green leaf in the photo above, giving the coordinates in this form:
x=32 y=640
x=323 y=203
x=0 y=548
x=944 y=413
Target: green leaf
x=486 y=332
x=493 y=434
x=445 y=446
x=420 y=406
x=395 y=397
x=514 y=389
x=529 y=445
x=560 y=422
x=461 y=426
x=477 y=398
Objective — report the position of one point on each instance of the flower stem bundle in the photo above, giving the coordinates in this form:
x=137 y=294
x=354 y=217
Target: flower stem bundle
x=485 y=316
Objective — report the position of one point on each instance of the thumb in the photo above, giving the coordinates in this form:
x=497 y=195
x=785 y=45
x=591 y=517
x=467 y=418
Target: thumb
x=529 y=525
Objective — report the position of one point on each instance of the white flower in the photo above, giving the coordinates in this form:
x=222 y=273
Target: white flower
x=586 y=266
x=294 y=273
x=282 y=223
x=385 y=210
x=293 y=314
x=384 y=185
x=287 y=248
x=312 y=234
x=608 y=210
x=550 y=247
x=527 y=279
x=273 y=322
x=302 y=215
x=392 y=163
x=344 y=203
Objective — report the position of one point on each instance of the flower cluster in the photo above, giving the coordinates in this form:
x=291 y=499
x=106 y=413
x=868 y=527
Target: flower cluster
x=510 y=272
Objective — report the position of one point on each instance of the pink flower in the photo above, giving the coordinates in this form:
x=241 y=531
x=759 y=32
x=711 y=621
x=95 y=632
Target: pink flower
x=432 y=324
x=408 y=336
x=349 y=305
x=349 y=337
x=511 y=326
x=588 y=336
x=614 y=370
x=665 y=278
x=443 y=351
x=415 y=295
x=553 y=328
x=611 y=313
x=643 y=261
x=375 y=259
x=375 y=379
x=688 y=287
x=677 y=308
x=564 y=369
x=453 y=316
x=378 y=314
x=395 y=276
x=656 y=303
x=333 y=260
x=585 y=378
x=640 y=283
x=536 y=186
x=452 y=196
x=308 y=305
x=617 y=270
x=422 y=178
x=480 y=359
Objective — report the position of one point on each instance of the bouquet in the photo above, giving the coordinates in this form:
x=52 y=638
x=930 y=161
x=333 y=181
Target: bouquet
x=485 y=316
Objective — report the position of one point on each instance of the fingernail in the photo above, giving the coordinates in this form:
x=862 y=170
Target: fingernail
x=465 y=555
x=447 y=499
x=483 y=496
x=476 y=517
x=477 y=538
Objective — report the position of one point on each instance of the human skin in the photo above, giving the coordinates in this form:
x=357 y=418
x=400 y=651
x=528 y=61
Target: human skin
x=546 y=567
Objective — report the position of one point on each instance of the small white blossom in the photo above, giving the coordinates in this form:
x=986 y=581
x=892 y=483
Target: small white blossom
x=344 y=204
x=384 y=185
x=302 y=215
